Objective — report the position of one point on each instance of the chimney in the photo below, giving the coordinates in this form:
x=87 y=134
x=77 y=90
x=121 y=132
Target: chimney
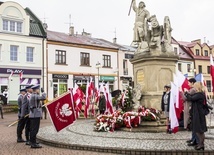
x=114 y=40
x=71 y=30
x=45 y=25
x=86 y=33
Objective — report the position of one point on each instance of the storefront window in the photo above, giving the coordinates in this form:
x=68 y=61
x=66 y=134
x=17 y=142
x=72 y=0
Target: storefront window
x=60 y=86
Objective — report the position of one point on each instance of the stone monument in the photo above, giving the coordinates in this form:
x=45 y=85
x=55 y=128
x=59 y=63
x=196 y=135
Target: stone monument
x=154 y=60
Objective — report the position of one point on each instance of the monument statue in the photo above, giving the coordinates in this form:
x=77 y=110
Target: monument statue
x=149 y=36
x=140 y=26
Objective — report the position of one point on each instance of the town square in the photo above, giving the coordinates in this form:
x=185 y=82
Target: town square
x=106 y=77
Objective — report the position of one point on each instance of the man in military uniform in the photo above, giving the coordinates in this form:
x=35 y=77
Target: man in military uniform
x=21 y=123
x=25 y=111
x=35 y=114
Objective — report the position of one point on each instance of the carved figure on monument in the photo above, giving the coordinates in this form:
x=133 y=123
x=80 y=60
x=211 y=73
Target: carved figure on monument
x=140 y=26
x=137 y=94
x=156 y=33
x=167 y=47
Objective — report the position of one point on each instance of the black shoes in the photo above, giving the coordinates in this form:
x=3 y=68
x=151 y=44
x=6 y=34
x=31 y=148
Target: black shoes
x=27 y=143
x=199 y=148
x=189 y=141
x=36 y=146
x=20 y=140
x=192 y=144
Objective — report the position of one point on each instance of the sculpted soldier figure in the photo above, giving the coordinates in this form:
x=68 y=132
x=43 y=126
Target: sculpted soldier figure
x=35 y=114
x=140 y=28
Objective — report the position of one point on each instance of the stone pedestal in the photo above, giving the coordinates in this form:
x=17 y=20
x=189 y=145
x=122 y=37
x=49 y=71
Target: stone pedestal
x=152 y=72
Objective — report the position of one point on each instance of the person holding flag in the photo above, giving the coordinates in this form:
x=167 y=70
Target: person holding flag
x=188 y=112
x=198 y=120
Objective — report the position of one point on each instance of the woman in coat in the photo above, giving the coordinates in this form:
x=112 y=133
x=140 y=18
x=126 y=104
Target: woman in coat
x=165 y=102
x=198 y=121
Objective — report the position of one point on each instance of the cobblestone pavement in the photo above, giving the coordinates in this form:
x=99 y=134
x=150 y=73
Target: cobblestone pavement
x=8 y=145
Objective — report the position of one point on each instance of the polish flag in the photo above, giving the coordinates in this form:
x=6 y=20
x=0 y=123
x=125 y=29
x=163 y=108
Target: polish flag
x=172 y=112
x=78 y=97
x=61 y=111
x=212 y=70
x=87 y=100
x=109 y=106
x=21 y=75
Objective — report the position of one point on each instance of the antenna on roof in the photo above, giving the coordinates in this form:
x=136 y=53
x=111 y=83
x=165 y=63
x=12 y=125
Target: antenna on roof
x=69 y=23
x=44 y=19
x=204 y=39
x=115 y=36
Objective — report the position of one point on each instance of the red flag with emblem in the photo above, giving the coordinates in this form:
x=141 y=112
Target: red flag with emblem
x=62 y=111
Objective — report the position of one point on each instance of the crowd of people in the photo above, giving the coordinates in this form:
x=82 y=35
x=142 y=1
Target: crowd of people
x=194 y=115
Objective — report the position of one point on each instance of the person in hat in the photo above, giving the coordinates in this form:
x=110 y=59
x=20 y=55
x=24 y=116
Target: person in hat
x=35 y=114
x=188 y=112
x=165 y=104
x=25 y=112
x=21 y=122
x=102 y=103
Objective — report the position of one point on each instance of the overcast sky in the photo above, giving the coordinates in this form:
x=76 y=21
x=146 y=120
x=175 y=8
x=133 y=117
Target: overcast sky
x=190 y=19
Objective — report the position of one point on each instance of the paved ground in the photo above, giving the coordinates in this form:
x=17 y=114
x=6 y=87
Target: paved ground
x=8 y=145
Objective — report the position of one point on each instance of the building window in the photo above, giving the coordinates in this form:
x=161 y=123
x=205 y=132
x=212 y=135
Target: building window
x=208 y=83
x=199 y=69
x=197 y=52
x=60 y=57
x=205 y=53
x=13 y=53
x=176 y=50
x=29 y=56
x=106 y=61
x=208 y=69
x=125 y=67
x=13 y=26
x=179 y=67
x=60 y=86
x=188 y=67
x=84 y=59
x=129 y=56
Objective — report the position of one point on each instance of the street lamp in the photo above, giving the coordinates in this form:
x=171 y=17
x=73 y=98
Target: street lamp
x=98 y=66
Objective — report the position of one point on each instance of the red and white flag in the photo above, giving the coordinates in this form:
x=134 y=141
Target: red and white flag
x=172 y=112
x=21 y=75
x=109 y=106
x=62 y=111
x=87 y=100
x=212 y=71
x=78 y=96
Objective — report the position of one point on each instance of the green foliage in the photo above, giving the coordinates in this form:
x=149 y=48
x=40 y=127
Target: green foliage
x=83 y=87
x=128 y=101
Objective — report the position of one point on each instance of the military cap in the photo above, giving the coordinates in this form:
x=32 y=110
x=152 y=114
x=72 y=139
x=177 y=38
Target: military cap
x=35 y=87
x=28 y=87
x=167 y=86
x=23 y=90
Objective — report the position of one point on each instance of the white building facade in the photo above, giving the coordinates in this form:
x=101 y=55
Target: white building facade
x=77 y=59
x=22 y=43
x=125 y=66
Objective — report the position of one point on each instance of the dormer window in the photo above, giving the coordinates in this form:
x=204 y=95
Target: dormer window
x=12 y=26
x=197 y=52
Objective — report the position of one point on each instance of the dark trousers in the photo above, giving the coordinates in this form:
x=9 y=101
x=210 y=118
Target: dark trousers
x=102 y=111
x=23 y=123
x=1 y=111
x=195 y=137
x=34 y=129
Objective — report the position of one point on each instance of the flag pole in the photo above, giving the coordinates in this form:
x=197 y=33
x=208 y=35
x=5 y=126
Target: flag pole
x=130 y=8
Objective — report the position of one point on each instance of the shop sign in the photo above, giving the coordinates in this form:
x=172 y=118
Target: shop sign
x=107 y=78
x=60 y=76
x=20 y=70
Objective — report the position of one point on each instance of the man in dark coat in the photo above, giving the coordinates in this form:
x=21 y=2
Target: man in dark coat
x=102 y=103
